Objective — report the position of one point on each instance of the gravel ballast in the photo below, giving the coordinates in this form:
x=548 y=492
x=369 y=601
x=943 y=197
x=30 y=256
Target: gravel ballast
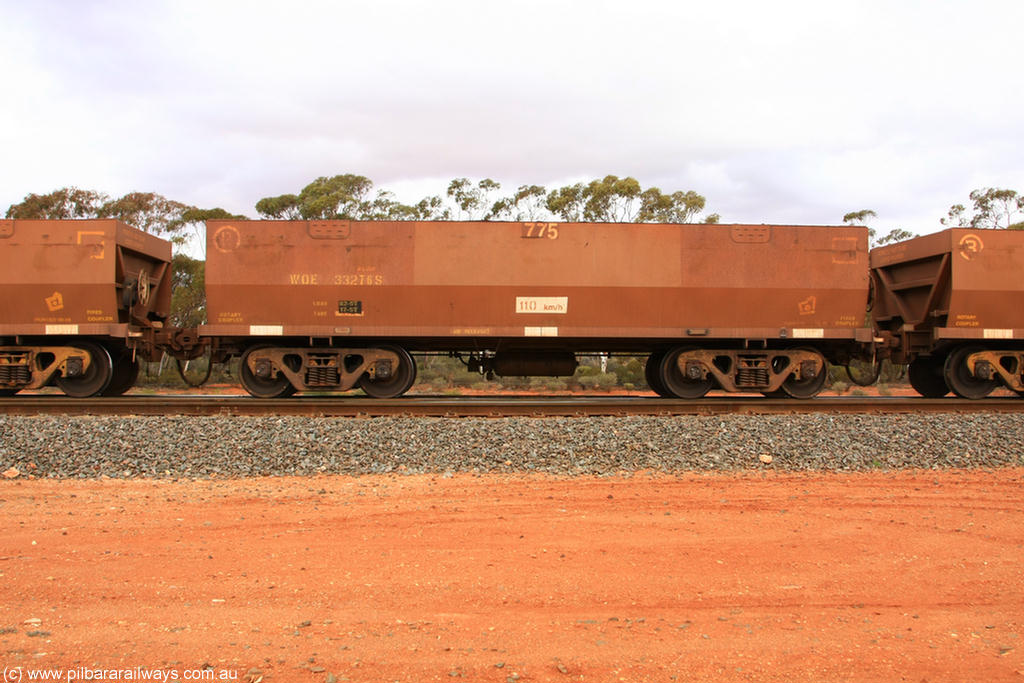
x=89 y=447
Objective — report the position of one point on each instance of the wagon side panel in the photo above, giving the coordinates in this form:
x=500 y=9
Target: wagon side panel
x=449 y=280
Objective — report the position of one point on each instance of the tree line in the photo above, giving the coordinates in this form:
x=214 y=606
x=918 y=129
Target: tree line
x=606 y=200
x=610 y=199
x=991 y=209
x=146 y=211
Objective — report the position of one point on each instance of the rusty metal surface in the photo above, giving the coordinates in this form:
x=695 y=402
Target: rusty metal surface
x=35 y=368
x=68 y=277
x=328 y=364
x=1004 y=364
x=491 y=407
x=954 y=284
x=457 y=283
x=766 y=363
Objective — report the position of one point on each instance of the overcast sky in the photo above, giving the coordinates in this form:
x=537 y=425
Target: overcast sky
x=775 y=111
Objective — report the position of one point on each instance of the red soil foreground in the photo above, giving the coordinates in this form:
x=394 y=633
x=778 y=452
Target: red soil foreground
x=751 y=577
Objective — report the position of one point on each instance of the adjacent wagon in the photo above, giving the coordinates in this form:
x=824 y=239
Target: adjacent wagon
x=951 y=305
x=80 y=303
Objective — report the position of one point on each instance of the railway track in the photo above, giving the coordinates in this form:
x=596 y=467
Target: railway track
x=504 y=406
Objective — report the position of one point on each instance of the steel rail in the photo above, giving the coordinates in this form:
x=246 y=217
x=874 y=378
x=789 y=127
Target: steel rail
x=503 y=406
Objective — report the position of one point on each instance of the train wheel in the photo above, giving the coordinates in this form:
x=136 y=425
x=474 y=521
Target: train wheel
x=275 y=387
x=925 y=374
x=960 y=379
x=400 y=381
x=807 y=387
x=676 y=383
x=94 y=380
x=125 y=372
x=652 y=373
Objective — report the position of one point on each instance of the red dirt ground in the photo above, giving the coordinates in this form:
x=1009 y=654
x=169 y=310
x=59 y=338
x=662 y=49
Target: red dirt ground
x=748 y=577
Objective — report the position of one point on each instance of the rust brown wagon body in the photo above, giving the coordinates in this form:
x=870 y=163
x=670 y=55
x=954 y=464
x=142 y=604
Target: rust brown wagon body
x=327 y=305
x=951 y=304
x=80 y=300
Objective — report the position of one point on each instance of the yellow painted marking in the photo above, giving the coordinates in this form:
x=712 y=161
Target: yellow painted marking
x=358 y=279
x=227 y=238
x=808 y=306
x=970 y=246
x=540 y=230
x=966 y=320
x=100 y=247
x=55 y=302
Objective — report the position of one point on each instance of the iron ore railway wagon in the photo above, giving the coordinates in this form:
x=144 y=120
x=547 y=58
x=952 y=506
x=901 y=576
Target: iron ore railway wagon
x=951 y=305
x=328 y=305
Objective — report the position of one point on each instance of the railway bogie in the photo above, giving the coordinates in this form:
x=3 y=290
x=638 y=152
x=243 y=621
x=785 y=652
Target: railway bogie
x=270 y=371
x=689 y=372
x=80 y=367
x=33 y=366
x=975 y=371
